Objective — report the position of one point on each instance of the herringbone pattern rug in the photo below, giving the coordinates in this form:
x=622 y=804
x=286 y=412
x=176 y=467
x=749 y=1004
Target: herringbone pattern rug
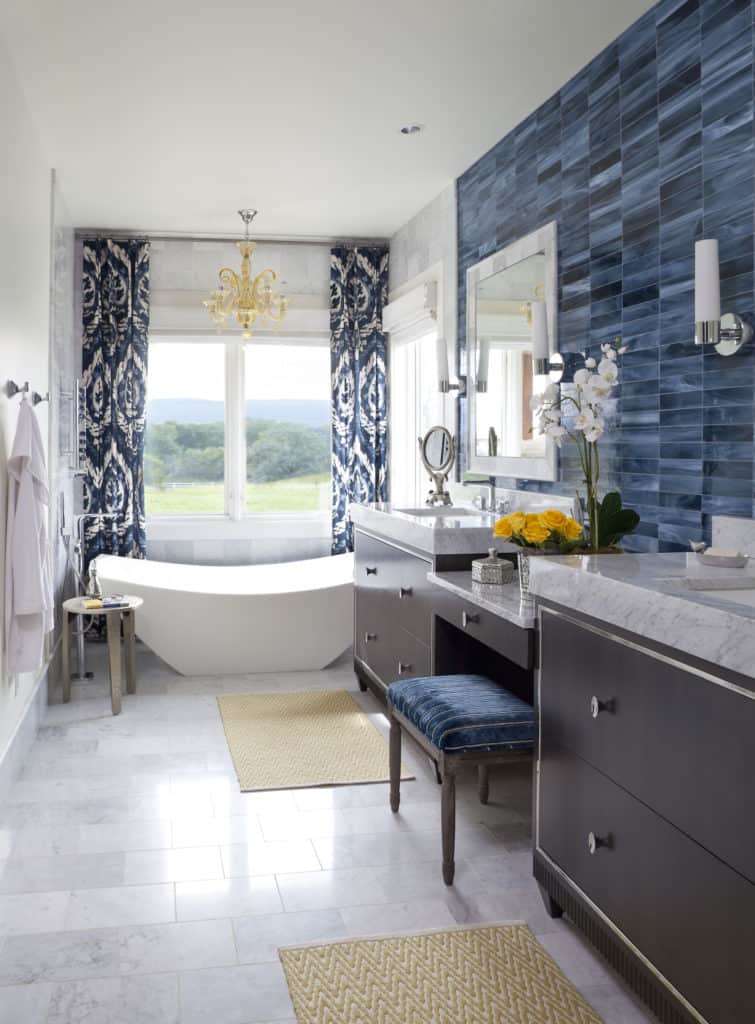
x=294 y=740
x=490 y=975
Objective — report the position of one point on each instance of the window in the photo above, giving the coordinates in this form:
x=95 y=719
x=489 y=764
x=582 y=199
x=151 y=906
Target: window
x=237 y=429
x=184 y=452
x=415 y=406
x=287 y=413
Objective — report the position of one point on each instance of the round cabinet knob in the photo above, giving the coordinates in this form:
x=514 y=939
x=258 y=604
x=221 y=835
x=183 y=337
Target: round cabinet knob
x=596 y=706
x=594 y=842
x=371 y=570
x=404 y=667
x=468 y=618
x=404 y=591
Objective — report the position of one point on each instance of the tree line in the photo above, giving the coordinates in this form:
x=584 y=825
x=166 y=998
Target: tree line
x=189 y=452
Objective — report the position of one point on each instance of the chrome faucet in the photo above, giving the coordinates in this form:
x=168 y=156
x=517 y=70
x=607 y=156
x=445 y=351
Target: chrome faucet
x=485 y=502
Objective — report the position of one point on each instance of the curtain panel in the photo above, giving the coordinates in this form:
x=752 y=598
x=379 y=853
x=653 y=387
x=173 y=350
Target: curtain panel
x=358 y=362
x=115 y=307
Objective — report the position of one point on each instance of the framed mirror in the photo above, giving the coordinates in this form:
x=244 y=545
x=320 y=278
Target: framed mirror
x=511 y=330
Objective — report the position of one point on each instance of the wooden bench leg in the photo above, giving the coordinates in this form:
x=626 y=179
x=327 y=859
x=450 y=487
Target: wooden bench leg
x=66 y=663
x=483 y=782
x=395 y=763
x=448 y=824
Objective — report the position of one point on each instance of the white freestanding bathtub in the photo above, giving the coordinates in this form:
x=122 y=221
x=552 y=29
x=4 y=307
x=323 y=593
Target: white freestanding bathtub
x=230 y=620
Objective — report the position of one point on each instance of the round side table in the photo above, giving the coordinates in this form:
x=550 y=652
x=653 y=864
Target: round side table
x=113 y=617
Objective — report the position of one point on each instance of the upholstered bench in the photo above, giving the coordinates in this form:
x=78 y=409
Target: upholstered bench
x=460 y=721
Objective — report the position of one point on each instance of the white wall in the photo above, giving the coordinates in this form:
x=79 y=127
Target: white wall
x=426 y=242
x=24 y=312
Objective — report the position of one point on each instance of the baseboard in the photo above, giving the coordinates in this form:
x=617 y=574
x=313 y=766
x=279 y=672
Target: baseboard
x=16 y=753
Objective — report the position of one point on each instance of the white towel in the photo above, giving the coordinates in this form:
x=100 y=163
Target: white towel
x=28 y=580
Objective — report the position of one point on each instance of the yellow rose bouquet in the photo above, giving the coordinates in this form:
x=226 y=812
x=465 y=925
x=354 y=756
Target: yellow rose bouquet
x=552 y=531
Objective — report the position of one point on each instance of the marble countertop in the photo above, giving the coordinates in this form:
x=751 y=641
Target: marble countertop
x=649 y=594
x=503 y=601
x=447 y=531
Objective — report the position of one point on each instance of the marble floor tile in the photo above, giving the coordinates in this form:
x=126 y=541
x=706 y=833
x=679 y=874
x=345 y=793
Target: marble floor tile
x=186 y=946
x=123 y=905
x=59 y=956
x=576 y=958
x=216 y=831
x=147 y=999
x=494 y=906
x=229 y=897
x=392 y=918
x=416 y=880
x=25 y=1004
x=322 y=890
x=44 y=840
x=7 y=839
x=136 y=835
x=259 y=938
x=615 y=1003
x=365 y=850
x=242 y=859
x=247 y=994
x=68 y=871
x=148 y=867
x=33 y=913
x=118 y=825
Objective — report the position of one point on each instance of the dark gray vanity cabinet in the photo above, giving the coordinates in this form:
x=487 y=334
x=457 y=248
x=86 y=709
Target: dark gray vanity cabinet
x=645 y=833
x=392 y=612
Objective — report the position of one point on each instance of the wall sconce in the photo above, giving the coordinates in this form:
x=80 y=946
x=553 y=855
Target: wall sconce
x=728 y=333
x=483 y=364
x=541 y=358
x=444 y=383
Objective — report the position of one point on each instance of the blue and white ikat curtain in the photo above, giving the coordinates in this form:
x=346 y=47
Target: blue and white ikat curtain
x=358 y=292
x=115 y=322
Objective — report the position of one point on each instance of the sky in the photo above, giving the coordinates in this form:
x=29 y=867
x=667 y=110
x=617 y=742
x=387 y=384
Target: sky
x=179 y=369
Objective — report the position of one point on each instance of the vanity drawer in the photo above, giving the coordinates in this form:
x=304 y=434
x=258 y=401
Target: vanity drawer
x=400 y=578
x=691 y=915
x=404 y=658
x=648 y=724
x=504 y=637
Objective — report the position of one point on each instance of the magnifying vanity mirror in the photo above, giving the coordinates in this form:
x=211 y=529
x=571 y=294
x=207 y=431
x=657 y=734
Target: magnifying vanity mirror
x=437 y=450
x=511 y=333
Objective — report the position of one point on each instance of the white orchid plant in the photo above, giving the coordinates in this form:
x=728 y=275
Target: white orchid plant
x=579 y=415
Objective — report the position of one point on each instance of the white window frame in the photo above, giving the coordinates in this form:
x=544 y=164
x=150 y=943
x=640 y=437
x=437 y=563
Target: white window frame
x=235 y=522
x=415 y=313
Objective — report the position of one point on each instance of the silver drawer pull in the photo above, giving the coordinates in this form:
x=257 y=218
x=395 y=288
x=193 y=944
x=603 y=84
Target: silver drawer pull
x=469 y=617
x=405 y=591
x=371 y=570
x=596 y=706
x=404 y=667
x=369 y=636
x=594 y=842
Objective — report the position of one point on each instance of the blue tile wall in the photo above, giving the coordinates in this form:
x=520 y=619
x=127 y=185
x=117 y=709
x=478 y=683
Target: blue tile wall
x=649 y=148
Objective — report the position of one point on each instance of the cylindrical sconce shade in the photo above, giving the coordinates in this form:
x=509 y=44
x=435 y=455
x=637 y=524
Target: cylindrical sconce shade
x=442 y=360
x=483 y=361
x=539 y=331
x=707 y=284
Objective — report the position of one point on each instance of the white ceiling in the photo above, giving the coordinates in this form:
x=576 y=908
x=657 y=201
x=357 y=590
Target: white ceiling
x=169 y=116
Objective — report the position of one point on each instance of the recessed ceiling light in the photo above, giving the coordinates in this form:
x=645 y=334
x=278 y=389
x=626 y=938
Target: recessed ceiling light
x=411 y=129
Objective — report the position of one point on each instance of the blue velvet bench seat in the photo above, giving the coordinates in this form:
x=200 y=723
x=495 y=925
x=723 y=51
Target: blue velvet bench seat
x=460 y=721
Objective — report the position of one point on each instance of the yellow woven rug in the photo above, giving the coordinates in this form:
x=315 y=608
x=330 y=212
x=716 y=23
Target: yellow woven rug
x=295 y=740
x=490 y=975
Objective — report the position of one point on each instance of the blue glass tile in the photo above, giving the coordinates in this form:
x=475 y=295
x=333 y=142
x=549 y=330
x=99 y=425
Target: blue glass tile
x=643 y=152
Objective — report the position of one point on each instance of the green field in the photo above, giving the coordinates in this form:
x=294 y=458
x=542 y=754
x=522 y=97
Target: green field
x=297 y=494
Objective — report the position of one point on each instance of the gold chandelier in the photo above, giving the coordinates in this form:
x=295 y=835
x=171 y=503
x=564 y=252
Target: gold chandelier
x=242 y=296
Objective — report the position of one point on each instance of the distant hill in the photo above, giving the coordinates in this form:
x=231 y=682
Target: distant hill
x=310 y=412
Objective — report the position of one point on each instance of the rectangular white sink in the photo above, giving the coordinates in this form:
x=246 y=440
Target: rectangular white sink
x=441 y=510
